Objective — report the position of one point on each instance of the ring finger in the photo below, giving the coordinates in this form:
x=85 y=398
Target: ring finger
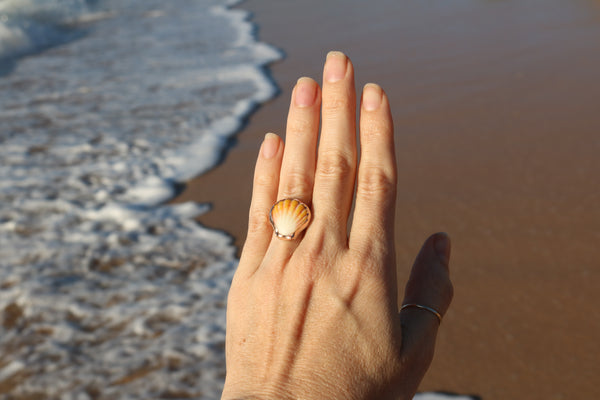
x=298 y=166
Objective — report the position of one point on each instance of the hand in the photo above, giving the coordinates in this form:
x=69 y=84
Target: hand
x=317 y=317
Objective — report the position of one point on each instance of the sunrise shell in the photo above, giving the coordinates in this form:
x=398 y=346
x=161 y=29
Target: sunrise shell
x=289 y=217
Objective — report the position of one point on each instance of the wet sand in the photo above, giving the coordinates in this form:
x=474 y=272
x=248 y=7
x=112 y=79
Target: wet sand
x=496 y=108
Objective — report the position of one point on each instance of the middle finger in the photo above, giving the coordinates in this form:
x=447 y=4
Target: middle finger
x=336 y=159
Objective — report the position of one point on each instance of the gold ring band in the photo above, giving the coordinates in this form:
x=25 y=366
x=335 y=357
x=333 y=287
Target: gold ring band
x=431 y=310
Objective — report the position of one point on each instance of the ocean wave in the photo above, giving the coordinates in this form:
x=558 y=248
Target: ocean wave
x=108 y=291
x=27 y=26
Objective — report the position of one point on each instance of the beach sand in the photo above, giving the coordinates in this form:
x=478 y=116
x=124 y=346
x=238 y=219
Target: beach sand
x=498 y=134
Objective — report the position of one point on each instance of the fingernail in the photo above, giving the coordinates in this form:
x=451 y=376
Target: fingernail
x=270 y=145
x=442 y=247
x=335 y=66
x=371 y=96
x=306 y=92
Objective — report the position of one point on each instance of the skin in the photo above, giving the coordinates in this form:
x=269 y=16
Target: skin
x=317 y=317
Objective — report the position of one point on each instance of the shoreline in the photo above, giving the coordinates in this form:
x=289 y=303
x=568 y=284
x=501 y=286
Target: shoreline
x=497 y=145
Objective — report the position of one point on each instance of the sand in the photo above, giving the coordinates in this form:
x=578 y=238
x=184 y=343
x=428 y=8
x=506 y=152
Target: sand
x=498 y=134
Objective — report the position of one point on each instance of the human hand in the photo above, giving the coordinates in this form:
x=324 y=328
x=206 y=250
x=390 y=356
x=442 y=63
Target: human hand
x=317 y=317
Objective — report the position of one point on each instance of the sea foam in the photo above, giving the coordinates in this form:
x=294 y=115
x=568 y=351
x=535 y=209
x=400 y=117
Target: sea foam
x=27 y=26
x=106 y=290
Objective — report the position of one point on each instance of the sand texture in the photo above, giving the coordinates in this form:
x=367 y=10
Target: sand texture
x=498 y=134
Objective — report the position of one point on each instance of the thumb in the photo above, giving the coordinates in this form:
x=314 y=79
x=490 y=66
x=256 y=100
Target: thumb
x=428 y=286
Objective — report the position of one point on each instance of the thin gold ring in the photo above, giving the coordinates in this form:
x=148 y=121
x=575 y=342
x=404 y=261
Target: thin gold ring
x=431 y=310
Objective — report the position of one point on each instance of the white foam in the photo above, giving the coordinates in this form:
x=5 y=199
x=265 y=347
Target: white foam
x=13 y=40
x=112 y=289
x=29 y=25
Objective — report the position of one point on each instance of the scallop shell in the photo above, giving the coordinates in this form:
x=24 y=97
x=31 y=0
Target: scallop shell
x=289 y=217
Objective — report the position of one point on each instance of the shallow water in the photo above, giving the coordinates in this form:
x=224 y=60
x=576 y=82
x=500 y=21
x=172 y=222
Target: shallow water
x=105 y=107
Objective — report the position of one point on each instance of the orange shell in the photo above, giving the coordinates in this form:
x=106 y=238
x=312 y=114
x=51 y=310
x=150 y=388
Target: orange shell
x=289 y=217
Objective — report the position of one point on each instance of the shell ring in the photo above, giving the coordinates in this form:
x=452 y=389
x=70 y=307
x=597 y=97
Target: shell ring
x=289 y=217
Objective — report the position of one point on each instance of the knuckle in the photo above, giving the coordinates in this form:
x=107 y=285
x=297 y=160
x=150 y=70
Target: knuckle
x=373 y=132
x=299 y=127
x=334 y=164
x=264 y=180
x=257 y=222
x=448 y=292
x=336 y=104
x=375 y=182
x=297 y=183
x=444 y=291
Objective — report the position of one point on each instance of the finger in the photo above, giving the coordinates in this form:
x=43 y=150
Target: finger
x=373 y=222
x=264 y=191
x=298 y=167
x=429 y=285
x=336 y=160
